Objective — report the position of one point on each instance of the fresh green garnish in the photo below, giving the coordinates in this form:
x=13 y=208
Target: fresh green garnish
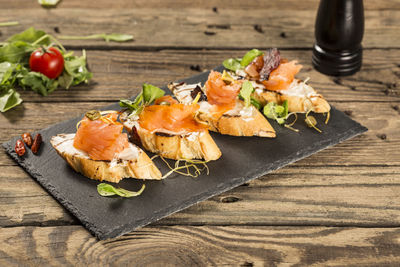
x=107 y=190
x=245 y=92
x=250 y=56
x=93 y=115
x=9 y=23
x=9 y=99
x=151 y=93
x=15 y=71
x=255 y=103
x=276 y=112
x=146 y=97
x=115 y=37
x=232 y=64
x=48 y=3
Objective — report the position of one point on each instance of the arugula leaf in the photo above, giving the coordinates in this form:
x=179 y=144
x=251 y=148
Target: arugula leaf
x=245 y=92
x=250 y=56
x=232 y=64
x=6 y=70
x=276 y=112
x=29 y=36
x=9 y=99
x=107 y=190
x=76 y=68
x=151 y=93
x=39 y=83
x=16 y=52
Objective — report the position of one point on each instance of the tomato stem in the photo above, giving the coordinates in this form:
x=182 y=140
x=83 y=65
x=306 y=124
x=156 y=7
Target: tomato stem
x=51 y=38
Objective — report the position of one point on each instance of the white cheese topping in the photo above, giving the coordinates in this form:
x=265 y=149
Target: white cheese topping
x=64 y=143
x=240 y=110
x=184 y=92
x=300 y=89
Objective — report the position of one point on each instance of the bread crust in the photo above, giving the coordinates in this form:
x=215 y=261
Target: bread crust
x=316 y=103
x=197 y=145
x=141 y=167
x=236 y=125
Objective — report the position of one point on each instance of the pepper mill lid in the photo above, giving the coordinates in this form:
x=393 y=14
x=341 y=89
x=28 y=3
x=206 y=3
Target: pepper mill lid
x=339 y=30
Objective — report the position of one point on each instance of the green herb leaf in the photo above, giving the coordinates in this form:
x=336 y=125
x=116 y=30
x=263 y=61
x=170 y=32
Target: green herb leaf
x=232 y=64
x=269 y=110
x=151 y=93
x=9 y=23
x=255 y=103
x=276 y=112
x=246 y=91
x=9 y=99
x=30 y=36
x=115 y=37
x=107 y=190
x=76 y=67
x=39 y=83
x=16 y=52
x=48 y=3
x=250 y=56
x=65 y=80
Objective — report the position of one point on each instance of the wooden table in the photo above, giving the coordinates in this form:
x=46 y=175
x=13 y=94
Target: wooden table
x=338 y=207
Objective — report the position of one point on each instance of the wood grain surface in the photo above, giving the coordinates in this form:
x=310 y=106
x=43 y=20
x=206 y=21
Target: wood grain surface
x=202 y=246
x=197 y=28
x=339 y=207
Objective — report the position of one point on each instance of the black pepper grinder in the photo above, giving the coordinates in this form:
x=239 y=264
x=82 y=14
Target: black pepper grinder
x=339 y=30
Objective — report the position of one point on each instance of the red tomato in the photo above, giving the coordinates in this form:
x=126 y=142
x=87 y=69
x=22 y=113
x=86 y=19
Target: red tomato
x=50 y=62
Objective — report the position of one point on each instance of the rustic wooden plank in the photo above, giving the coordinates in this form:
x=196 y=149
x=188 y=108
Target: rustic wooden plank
x=378 y=146
x=203 y=246
x=176 y=4
x=156 y=28
x=120 y=74
x=345 y=196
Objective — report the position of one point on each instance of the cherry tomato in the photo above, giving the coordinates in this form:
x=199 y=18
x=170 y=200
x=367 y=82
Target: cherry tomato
x=49 y=62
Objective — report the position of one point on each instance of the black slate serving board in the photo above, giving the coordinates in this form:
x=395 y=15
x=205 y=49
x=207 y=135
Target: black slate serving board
x=243 y=159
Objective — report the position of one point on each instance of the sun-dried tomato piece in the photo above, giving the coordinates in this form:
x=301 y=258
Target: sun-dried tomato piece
x=36 y=144
x=20 y=148
x=271 y=61
x=27 y=138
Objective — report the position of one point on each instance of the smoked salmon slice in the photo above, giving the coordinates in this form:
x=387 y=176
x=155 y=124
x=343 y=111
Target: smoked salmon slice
x=101 y=139
x=283 y=76
x=176 y=118
x=223 y=96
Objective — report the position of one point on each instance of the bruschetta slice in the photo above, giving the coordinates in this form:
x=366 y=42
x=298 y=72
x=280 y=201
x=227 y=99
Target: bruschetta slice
x=170 y=129
x=100 y=151
x=273 y=79
x=221 y=108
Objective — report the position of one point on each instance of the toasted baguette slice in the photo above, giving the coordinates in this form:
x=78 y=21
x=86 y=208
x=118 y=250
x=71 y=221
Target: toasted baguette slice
x=301 y=97
x=130 y=163
x=240 y=121
x=196 y=145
